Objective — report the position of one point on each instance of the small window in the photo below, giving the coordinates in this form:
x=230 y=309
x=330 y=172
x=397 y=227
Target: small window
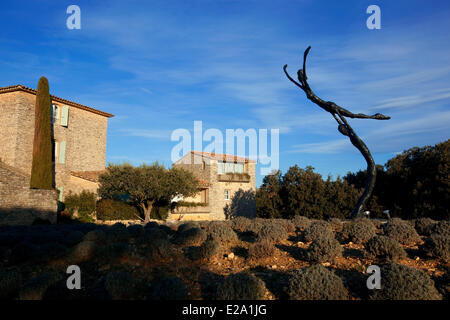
x=227 y=194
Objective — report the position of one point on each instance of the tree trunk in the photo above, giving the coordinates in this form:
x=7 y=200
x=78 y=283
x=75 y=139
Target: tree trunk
x=147 y=208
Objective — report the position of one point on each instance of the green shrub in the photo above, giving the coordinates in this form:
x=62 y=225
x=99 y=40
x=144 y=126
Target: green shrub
x=315 y=283
x=357 y=231
x=95 y=235
x=84 y=203
x=324 y=249
x=401 y=231
x=109 y=209
x=241 y=286
x=424 y=226
x=301 y=222
x=169 y=288
x=400 y=282
x=262 y=249
x=209 y=249
x=221 y=232
x=273 y=233
x=316 y=230
x=437 y=246
x=384 y=248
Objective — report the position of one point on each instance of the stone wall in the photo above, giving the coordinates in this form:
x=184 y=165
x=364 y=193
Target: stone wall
x=20 y=205
x=85 y=137
x=216 y=191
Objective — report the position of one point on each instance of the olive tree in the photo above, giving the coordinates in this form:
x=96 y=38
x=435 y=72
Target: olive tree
x=146 y=185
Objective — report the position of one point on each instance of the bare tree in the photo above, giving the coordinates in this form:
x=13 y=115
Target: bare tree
x=339 y=115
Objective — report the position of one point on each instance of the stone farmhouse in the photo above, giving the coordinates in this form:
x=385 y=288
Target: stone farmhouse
x=79 y=134
x=221 y=176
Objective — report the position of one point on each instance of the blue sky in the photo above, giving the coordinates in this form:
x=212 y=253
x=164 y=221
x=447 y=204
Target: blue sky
x=160 y=65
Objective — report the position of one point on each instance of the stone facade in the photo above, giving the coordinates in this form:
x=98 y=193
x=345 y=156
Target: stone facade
x=79 y=134
x=80 y=142
x=214 y=184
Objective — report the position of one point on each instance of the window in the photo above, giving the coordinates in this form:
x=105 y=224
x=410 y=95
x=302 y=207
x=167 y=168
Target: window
x=230 y=167
x=227 y=194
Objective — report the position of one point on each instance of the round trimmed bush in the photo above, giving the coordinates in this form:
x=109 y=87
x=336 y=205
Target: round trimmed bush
x=437 y=246
x=240 y=224
x=384 y=248
x=301 y=222
x=158 y=249
x=169 y=288
x=10 y=282
x=286 y=224
x=336 y=224
x=318 y=229
x=222 y=232
x=262 y=249
x=83 y=251
x=324 y=249
x=95 y=235
x=120 y=285
x=272 y=233
x=36 y=287
x=241 y=286
x=441 y=228
x=401 y=231
x=357 y=231
x=191 y=237
x=187 y=225
x=209 y=249
x=424 y=226
x=73 y=237
x=400 y=282
x=315 y=283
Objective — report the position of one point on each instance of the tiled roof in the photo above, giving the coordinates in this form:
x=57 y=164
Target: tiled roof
x=223 y=157
x=20 y=87
x=87 y=175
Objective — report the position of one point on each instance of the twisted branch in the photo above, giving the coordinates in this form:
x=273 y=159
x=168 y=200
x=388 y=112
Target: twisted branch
x=344 y=128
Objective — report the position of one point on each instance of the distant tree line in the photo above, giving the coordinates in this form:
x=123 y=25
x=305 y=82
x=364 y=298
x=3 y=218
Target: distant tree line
x=413 y=184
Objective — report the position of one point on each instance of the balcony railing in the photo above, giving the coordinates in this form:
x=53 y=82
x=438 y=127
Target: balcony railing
x=234 y=177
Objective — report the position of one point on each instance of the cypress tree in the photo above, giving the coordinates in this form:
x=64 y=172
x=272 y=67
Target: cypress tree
x=42 y=167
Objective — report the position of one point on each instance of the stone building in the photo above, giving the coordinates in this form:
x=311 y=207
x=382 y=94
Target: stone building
x=79 y=135
x=221 y=177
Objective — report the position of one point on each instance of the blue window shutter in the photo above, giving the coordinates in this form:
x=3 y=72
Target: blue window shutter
x=61 y=191
x=64 y=116
x=62 y=152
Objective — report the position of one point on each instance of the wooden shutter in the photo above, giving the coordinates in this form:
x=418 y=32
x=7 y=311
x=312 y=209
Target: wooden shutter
x=64 y=116
x=62 y=152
